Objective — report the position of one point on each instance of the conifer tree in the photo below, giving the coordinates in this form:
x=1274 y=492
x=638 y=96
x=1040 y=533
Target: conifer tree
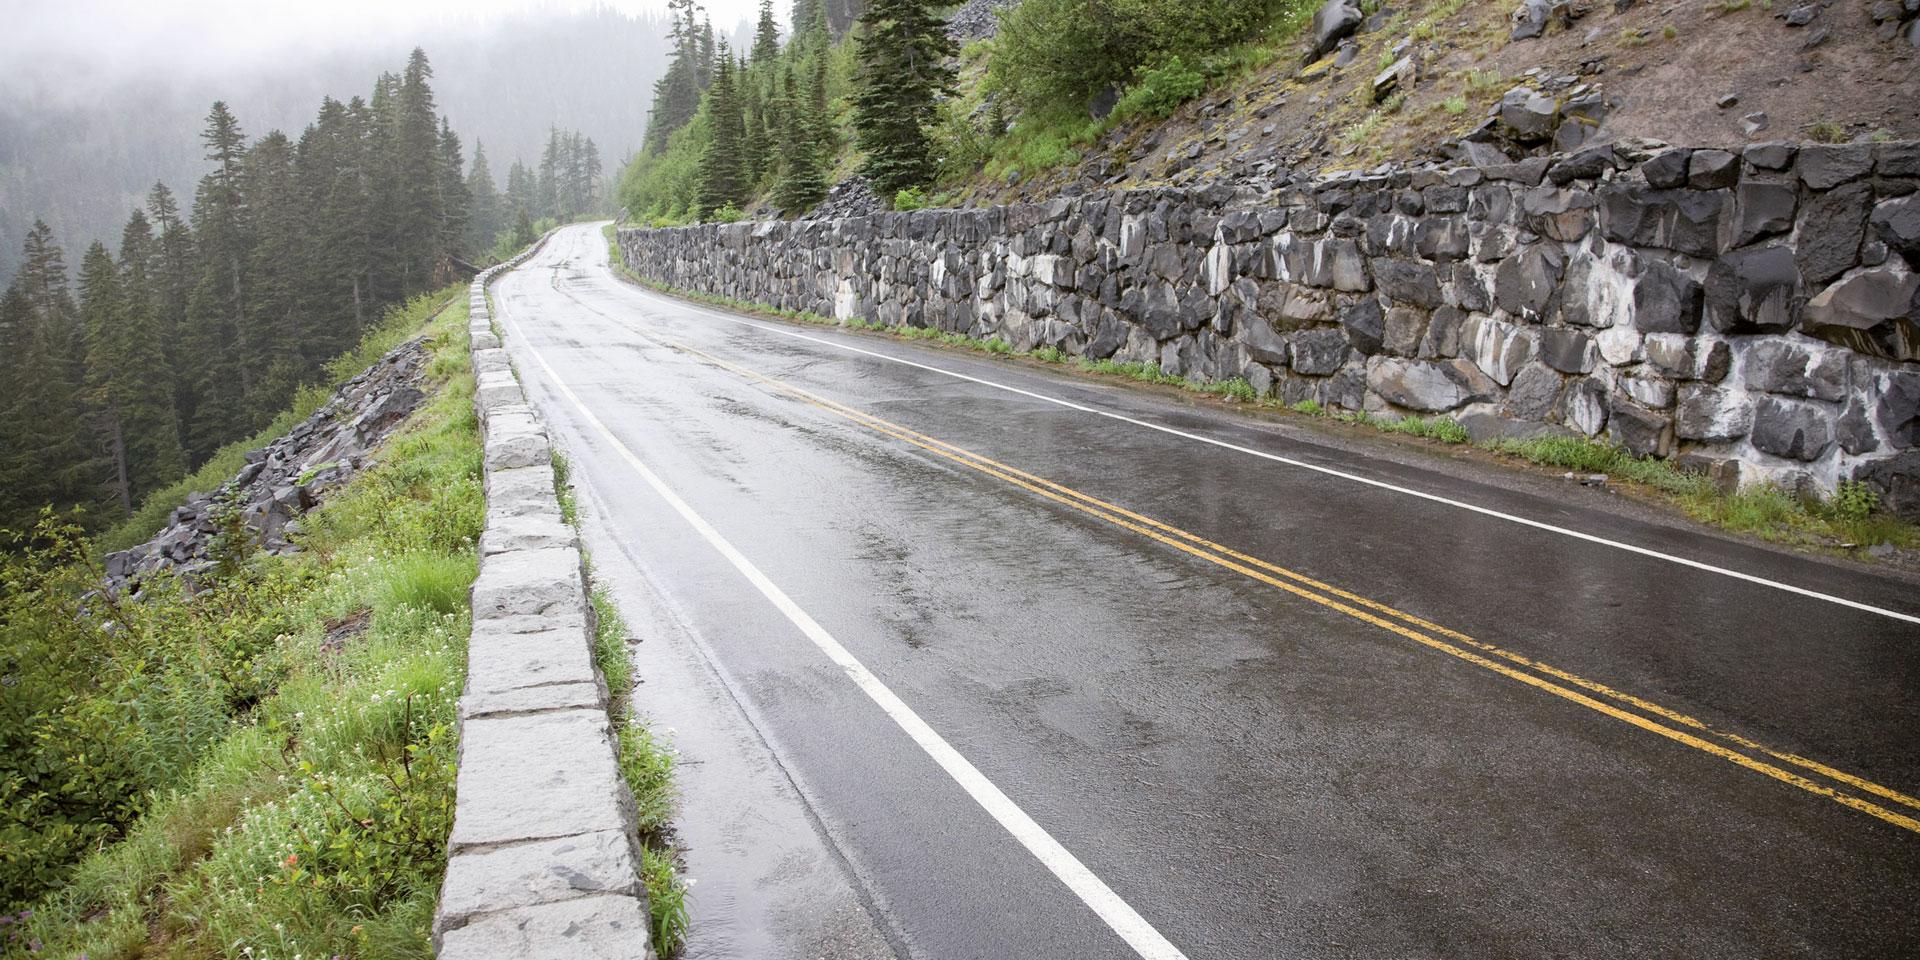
x=272 y=339
x=414 y=161
x=455 y=199
x=22 y=484
x=755 y=151
x=723 y=176
x=903 y=70
x=676 y=95
x=172 y=270
x=521 y=190
x=766 y=36
x=335 y=164
x=546 y=197
x=803 y=181
x=102 y=318
x=591 y=170
x=140 y=378
x=216 y=310
x=47 y=455
x=803 y=13
x=483 y=222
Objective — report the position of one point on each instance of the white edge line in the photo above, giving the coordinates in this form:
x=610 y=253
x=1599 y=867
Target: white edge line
x=1329 y=471
x=1133 y=928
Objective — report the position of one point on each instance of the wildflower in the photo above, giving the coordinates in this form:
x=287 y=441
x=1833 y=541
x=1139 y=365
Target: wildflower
x=292 y=858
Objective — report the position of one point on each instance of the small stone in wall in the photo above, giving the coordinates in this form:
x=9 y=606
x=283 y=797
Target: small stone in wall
x=1793 y=429
x=1753 y=289
x=1711 y=414
x=1428 y=386
x=1584 y=406
x=1643 y=432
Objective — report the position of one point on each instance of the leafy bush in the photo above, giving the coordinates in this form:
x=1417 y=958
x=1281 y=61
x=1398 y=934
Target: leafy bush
x=1158 y=91
x=911 y=198
x=726 y=214
x=1062 y=52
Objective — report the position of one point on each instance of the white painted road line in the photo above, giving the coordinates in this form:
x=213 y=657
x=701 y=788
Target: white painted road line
x=1329 y=471
x=1134 y=929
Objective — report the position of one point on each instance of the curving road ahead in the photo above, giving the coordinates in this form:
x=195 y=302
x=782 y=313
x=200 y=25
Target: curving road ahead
x=972 y=658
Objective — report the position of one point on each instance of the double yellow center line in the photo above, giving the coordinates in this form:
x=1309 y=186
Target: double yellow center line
x=1591 y=694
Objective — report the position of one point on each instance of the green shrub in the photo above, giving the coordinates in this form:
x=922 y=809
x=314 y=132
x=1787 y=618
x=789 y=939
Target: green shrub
x=911 y=198
x=1160 y=90
x=1060 y=53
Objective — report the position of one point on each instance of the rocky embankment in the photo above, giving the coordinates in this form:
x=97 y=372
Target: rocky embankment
x=286 y=478
x=1755 y=314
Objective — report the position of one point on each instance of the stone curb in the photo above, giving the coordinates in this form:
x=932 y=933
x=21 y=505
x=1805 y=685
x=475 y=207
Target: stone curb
x=543 y=859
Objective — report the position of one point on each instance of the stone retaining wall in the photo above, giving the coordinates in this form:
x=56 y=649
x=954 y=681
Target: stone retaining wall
x=544 y=858
x=1755 y=314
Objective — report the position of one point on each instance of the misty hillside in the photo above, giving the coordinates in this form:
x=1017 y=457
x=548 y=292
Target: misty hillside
x=82 y=156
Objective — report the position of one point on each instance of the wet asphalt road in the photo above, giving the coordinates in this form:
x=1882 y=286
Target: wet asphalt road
x=1327 y=762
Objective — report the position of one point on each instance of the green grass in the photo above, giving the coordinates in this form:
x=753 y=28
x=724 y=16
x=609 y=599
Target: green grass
x=648 y=768
x=563 y=490
x=1850 y=518
x=646 y=764
x=312 y=820
x=426 y=581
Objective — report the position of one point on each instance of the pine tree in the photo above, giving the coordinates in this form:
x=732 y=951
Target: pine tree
x=591 y=170
x=103 y=318
x=455 y=200
x=335 y=164
x=521 y=190
x=22 y=484
x=723 y=177
x=766 y=36
x=755 y=151
x=414 y=161
x=216 y=310
x=547 y=187
x=676 y=95
x=903 y=70
x=140 y=379
x=803 y=181
x=272 y=340
x=523 y=232
x=47 y=456
x=803 y=14
x=483 y=224
x=173 y=271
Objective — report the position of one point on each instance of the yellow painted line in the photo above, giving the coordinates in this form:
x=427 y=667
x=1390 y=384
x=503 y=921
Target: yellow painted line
x=1590 y=685
x=1374 y=613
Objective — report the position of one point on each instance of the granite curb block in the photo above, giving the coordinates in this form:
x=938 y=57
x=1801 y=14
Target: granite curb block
x=543 y=859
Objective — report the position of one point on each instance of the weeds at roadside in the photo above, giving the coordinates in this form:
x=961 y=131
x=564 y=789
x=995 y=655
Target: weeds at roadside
x=646 y=765
x=1849 y=518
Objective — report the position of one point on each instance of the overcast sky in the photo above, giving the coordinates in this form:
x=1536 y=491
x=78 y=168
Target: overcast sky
x=41 y=39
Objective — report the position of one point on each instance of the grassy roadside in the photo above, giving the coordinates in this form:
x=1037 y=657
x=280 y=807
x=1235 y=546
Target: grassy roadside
x=646 y=764
x=283 y=743
x=1849 y=522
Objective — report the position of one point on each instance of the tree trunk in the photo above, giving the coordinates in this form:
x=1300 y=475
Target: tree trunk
x=117 y=449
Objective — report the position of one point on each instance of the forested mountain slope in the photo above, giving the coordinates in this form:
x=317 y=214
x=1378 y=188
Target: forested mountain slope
x=1028 y=100
x=81 y=144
